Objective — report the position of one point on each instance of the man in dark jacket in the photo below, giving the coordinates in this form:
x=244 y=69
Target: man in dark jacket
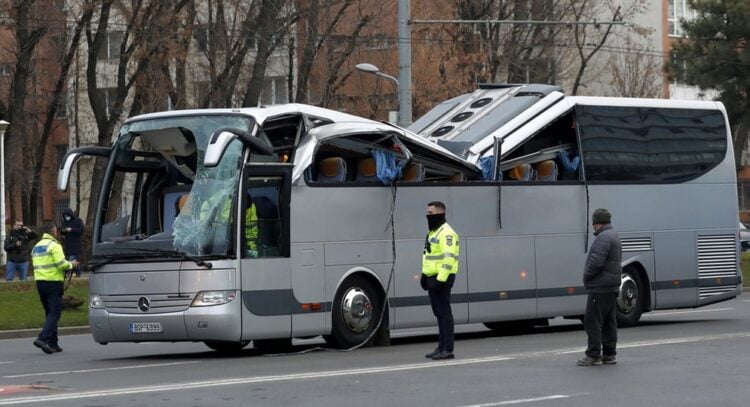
x=72 y=231
x=601 y=278
x=18 y=247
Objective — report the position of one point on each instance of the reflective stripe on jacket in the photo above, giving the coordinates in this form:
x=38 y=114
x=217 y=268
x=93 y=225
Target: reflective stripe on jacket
x=442 y=257
x=49 y=260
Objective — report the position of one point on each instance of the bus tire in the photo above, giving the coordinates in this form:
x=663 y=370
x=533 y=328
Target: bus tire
x=355 y=313
x=631 y=299
x=227 y=348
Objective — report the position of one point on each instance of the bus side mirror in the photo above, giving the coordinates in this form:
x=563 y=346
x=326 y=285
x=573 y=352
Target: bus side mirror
x=63 y=176
x=221 y=138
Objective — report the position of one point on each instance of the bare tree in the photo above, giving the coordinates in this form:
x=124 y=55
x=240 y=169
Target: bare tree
x=229 y=31
x=336 y=25
x=56 y=99
x=636 y=72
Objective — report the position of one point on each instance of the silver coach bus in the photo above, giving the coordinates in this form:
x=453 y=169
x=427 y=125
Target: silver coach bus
x=178 y=257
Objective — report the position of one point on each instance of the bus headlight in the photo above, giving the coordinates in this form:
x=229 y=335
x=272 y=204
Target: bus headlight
x=206 y=298
x=95 y=301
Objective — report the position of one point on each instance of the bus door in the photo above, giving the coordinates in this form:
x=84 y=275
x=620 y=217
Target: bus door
x=544 y=220
x=263 y=236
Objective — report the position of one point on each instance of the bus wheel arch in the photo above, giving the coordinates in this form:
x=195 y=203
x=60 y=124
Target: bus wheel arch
x=356 y=310
x=634 y=297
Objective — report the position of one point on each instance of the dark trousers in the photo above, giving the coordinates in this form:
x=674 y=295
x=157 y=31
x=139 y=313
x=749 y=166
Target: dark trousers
x=440 y=300
x=50 y=293
x=600 y=322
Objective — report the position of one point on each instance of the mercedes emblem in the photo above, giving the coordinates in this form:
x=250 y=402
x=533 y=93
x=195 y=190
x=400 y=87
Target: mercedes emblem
x=144 y=304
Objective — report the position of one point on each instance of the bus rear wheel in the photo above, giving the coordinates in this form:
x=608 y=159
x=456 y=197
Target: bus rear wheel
x=227 y=348
x=631 y=299
x=356 y=312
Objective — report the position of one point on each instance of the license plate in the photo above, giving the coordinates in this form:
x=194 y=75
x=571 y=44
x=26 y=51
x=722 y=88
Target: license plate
x=145 y=327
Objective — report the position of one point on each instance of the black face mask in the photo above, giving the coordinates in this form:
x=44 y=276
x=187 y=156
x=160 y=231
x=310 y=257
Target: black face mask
x=434 y=221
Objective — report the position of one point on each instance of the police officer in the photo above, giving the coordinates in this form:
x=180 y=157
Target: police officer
x=49 y=272
x=439 y=268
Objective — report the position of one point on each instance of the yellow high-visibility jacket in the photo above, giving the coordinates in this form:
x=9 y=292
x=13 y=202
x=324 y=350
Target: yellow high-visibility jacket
x=222 y=217
x=442 y=257
x=48 y=259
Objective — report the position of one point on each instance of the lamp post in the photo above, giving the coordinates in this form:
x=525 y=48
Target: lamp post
x=3 y=126
x=370 y=68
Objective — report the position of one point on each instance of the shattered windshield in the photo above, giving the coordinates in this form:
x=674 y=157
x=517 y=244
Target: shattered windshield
x=161 y=195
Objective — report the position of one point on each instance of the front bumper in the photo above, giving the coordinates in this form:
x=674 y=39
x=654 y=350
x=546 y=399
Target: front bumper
x=212 y=323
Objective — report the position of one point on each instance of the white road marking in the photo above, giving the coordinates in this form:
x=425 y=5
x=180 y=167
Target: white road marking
x=98 y=370
x=520 y=401
x=337 y=373
x=6 y=363
x=698 y=311
x=249 y=380
x=664 y=342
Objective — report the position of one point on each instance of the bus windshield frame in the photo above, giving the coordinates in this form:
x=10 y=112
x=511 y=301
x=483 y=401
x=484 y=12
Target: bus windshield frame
x=159 y=200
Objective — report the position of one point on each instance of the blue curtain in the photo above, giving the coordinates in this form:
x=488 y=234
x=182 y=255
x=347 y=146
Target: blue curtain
x=569 y=166
x=486 y=163
x=387 y=168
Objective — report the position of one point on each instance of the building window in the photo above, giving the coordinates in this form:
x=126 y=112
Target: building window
x=201 y=90
x=678 y=10
x=274 y=91
x=60 y=150
x=109 y=95
x=62 y=108
x=5 y=70
x=200 y=34
x=110 y=49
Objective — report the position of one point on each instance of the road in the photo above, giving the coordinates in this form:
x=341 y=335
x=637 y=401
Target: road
x=674 y=358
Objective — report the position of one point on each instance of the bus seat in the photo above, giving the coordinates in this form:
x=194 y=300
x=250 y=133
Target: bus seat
x=414 y=173
x=367 y=170
x=546 y=171
x=457 y=177
x=332 y=170
x=521 y=172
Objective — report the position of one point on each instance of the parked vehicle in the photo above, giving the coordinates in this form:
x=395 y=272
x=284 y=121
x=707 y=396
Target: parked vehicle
x=744 y=237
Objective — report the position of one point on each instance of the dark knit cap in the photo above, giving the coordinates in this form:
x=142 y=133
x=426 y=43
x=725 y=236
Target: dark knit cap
x=601 y=216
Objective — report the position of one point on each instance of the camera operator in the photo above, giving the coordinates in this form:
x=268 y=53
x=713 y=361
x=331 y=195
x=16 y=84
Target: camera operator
x=18 y=246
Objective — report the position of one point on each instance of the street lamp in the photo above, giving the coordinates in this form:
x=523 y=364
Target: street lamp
x=3 y=126
x=370 y=68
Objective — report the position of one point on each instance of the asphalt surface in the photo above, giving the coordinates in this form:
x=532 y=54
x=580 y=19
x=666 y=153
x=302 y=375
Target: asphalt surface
x=674 y=358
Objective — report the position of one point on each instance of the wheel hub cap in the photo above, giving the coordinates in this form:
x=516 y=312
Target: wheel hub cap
x=628 y=297
x=356 y=310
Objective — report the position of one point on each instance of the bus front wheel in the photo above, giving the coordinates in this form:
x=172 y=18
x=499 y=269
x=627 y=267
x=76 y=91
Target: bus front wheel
x=226 y=347
x=631 y=300
x=356 y=312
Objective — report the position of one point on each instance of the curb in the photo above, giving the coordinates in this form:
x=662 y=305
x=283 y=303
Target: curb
x=32 y=333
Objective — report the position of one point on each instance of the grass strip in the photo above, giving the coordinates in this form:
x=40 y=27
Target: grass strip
x=20 y=307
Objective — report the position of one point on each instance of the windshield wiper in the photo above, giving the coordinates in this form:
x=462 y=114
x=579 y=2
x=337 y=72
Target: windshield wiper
x=176 y=253
x=102 y=261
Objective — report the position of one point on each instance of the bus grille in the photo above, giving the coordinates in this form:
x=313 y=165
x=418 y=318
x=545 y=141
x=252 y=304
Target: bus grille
x=717 y=256
x=636 y=244
x=705 y=292
x=158 y=303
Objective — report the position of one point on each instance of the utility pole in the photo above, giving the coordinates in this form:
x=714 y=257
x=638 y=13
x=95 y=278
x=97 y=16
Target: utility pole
x=404 y=63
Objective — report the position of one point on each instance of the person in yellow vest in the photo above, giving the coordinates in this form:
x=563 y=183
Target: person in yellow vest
x=439 y=268
x=222 y=217
x=50 y=266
